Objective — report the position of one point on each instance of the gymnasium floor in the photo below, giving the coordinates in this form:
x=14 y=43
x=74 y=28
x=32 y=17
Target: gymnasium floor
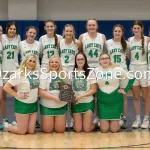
x=126 y=139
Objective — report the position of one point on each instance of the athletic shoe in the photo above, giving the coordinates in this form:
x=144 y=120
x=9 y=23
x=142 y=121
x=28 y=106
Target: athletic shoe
x=145 y=124
x=71 y=123
x=6 y=125
x=136 y=124
x=37 y=125
x=14 y=123
x=123 y=123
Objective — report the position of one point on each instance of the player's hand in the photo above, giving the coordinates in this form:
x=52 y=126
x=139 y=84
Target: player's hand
x=121 y=91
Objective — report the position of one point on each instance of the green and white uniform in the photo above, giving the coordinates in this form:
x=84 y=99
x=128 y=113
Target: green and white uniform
x=28 y=49
x=28 y=85
x=148 y=54
x=93 y=48
x=138 y=61
x=109 y=101
x=51 y=107
x=80 y=86
x=10 y=54
x=67 y=55
x=48 y=48
x=1 y=80
x=118 y=57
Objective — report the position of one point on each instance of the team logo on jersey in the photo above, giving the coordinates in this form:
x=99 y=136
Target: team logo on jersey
x=54 y=84
x=80 y=84
x=34 y=82
x=106 y=83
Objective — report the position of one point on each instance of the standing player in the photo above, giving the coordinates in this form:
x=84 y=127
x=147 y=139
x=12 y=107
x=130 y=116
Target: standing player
x=93 y=44
x=68 y=49
x=118 y=51
x=49 y=42
x=30 y=45
x=10 y=42
x=138 y=49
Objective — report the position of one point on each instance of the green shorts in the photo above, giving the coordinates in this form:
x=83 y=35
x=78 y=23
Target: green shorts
x=25 y=108
x=82 y=107
x=45 y=111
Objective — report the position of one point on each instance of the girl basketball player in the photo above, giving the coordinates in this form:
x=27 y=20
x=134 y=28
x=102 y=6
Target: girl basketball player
x=110 y=94
x=138 y=49
x=84 y=86
x=30 y=45
x=26 y=106
x=68 y=49
x=52 y=109
x=10 y=42
x=93 y=44
x=49 y=42
x=118 y=50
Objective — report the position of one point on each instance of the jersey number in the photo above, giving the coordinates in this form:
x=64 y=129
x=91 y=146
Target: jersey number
x=50 y=53
x=66 y=59
x=117 y=58
x=10 y=55
x=137 y=56
x=95 y=53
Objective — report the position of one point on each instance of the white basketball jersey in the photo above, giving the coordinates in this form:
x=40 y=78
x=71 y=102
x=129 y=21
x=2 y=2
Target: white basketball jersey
x=148 y=56
x=115 y=50
x=48 y=47
x=136 y=51
x=10 y=52
x=28 y=49
x=93 y=48
x=67 y=53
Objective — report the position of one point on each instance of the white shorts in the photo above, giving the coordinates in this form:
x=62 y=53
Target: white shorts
x=141 y=77
x=123 y=83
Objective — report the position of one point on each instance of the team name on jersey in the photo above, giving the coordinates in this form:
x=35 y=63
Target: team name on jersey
x=116 y=50
x=93 y=45
x=49 y=46
x=10 y=47
x=136 y=48
x=31 y=52
x=70 y=51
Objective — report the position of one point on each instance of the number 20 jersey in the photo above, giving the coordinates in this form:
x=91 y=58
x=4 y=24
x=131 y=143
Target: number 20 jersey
x=93 y=48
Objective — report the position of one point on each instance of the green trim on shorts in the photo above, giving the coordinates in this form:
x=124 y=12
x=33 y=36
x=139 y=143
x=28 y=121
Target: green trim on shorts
x=45 y=111
x=82 y=107
x=25 y=108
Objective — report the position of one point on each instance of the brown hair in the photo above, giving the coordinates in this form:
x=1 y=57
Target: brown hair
x=142 y=36
x=9 y=25
x=123 y=41
x=31 y=27
x=55 y=36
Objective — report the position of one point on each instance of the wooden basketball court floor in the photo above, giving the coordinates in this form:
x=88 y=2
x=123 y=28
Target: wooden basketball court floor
x=126 y=139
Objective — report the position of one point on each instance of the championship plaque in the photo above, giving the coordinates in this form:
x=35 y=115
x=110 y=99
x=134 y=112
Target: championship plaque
x=66 y=92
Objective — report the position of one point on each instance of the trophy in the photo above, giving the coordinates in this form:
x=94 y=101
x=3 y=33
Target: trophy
x=66 y=92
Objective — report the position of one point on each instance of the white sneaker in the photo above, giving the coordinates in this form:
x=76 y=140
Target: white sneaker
x=14 y=123
x=98 y=123
x=67 y=124
x=6 y=125
x=136 y=124
x=71 y=123
x=95 y=121
x=145 y=124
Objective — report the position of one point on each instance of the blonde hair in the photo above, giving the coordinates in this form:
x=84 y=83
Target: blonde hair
x=62 y=75
x=70 y=25
x=24 y=63
x=104 y=53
